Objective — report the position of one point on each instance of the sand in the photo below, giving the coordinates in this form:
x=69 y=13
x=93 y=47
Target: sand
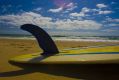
x=13 y=47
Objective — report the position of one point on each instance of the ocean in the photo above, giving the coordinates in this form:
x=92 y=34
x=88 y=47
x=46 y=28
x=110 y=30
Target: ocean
x=66 y=38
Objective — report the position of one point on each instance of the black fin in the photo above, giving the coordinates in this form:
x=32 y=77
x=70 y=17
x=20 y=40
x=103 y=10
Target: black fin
x=43 y=38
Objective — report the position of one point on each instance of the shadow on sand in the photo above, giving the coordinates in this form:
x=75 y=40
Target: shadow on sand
x=86 y=72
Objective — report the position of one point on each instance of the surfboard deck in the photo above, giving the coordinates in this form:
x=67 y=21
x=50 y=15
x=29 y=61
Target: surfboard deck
x=91 y=55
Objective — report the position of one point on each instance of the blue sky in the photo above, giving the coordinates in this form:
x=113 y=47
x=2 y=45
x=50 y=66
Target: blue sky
x=61 y=17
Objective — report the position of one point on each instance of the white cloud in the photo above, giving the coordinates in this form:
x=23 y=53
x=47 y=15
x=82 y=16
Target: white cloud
x=77 y=14
x=105 y=12
x=113 y=24
x=85 y=10
x=75 y=24
x=99 y=11
x=71 y=6
x=66 y=8
x=38 y=9
x=95 y=10
x=37 y=19
x=24 y=18
x=110 y=30
x=113 y=2
x=82 y=13
x=112 y=20
x=101 y=5
x=56 y=10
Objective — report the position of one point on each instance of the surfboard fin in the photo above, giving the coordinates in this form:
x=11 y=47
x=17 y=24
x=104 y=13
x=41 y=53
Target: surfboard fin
x=45 y=41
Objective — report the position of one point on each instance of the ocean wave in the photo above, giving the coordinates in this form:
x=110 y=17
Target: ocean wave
x=69 y=38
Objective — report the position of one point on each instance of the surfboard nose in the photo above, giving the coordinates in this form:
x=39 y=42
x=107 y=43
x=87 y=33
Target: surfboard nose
x=44 y=40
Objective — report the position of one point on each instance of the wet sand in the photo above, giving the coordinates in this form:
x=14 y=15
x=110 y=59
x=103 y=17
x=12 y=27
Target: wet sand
x=13 y=47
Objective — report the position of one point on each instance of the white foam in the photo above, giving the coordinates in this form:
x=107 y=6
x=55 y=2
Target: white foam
x=86 y=40
x=63 y=39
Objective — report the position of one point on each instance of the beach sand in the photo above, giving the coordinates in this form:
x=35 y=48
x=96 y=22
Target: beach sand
x=13 y=47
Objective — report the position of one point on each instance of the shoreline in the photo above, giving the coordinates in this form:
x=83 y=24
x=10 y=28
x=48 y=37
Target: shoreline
x=64 y=39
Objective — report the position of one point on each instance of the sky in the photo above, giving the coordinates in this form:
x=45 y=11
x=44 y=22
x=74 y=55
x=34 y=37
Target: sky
x=61 y=17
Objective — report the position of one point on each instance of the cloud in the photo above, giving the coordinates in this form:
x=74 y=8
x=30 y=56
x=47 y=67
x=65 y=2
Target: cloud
x=85 y=10
x=71 y=6
x=95 y=10
x=82 y=13
x=75 y=24
x=38 y=9
x=110 y=30
x=24 y=18
x=105 y=12
x=46 y=22
x=56 y=10
x=6 y=7
x=101 y=5
x=113 y=25
x=77 y=14
x=112 y=20
x=66 y=7
x=99 y=11
x=113 y=2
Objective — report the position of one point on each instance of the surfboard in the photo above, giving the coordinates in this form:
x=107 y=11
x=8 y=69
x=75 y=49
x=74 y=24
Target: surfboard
x=93 y=55
x=103 y=54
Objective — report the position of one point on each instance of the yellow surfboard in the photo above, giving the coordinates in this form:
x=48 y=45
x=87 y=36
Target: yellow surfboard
x=93 y=55
x=51 y=54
